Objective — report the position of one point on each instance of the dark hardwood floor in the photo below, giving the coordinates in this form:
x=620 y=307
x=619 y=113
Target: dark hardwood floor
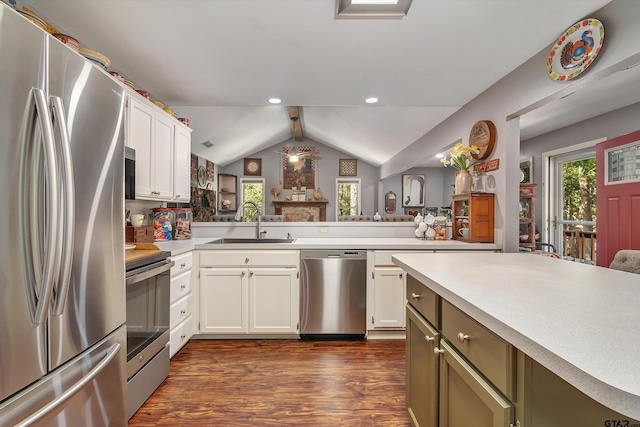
x=281 y=383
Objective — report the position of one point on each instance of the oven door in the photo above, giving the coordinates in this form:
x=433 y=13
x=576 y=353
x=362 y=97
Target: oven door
x=148 y=300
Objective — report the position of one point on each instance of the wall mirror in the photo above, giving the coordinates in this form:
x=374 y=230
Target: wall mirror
x=390 y=202
x=526 y=170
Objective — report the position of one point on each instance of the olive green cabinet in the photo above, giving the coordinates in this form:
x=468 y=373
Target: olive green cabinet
x=444 y=388
x=466 y=398
x=422 y=370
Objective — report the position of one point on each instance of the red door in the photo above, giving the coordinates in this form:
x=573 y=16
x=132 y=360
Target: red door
x=617 y=204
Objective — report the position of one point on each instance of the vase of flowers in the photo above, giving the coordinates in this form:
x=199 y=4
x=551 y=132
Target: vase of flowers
x=461 y=158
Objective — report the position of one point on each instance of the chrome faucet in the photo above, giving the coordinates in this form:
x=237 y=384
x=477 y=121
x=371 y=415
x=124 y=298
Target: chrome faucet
x=259 y=231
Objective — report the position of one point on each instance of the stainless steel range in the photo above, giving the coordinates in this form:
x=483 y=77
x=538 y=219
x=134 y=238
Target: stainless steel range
x=148 y=289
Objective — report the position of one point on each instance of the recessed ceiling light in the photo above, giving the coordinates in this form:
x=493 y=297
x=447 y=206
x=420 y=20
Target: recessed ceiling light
x=374 y=1
x=275 y=100
x=371 y=100
x=372 y=9
x=439 y=156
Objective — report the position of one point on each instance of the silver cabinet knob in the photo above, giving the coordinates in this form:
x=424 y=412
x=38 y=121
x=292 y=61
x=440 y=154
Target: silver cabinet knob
x=246 y=260
x=414 y=295
x=429 y=339
x=183 y=265
x=183 y=286
x=437 y=351
x=141 y=358
x=182 y=337
x=462 y=337
x=183 y=312
x=251 y=273
x=243 y=274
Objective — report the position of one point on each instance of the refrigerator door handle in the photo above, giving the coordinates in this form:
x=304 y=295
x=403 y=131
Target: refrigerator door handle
x=110 y=355
x=67 y=203
x=39 y=245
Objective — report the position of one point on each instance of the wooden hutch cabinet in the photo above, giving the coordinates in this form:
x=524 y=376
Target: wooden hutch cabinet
x=528 y=216
x=474 y=211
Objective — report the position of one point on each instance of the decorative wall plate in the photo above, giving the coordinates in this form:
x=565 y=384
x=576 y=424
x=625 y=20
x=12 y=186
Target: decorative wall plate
x=483 y=136
x=202 y=177
x=576 y=49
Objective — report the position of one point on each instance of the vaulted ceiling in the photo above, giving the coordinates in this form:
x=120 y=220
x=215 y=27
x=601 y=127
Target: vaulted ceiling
x=218 y=61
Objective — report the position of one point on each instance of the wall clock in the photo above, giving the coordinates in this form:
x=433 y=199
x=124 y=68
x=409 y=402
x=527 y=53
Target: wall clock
x=483 y=136
x=253 y=167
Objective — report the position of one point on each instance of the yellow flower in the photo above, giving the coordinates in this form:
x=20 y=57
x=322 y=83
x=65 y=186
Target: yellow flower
x=461 y=157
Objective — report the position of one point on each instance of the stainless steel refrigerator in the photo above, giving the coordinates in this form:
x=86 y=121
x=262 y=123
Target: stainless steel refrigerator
x=62 y=270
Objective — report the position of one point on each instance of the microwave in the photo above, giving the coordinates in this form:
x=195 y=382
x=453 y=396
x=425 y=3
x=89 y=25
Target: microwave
x=129 y=173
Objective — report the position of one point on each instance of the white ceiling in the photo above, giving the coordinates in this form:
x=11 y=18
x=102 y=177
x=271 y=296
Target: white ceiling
x=218 y=61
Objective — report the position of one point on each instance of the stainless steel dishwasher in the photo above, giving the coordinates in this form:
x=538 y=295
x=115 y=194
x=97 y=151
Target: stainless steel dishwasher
x=333 y=297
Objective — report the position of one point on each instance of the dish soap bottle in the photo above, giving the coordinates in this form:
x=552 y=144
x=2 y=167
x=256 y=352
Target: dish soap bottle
x=377 y=217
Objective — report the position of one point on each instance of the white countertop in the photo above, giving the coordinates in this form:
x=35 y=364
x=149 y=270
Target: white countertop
x=390 y=243
x=580 y=321
x=177 y=247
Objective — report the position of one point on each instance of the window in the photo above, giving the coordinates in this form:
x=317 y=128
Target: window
x=348 y=197
x=251 y=190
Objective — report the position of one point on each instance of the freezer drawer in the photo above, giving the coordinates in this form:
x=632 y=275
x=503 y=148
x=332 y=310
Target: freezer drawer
x=88 y=390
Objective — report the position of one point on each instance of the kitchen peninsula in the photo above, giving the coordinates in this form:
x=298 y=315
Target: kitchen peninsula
x=563 y=337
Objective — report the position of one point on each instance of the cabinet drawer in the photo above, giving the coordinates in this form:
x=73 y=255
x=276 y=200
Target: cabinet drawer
x=180 y=310
x=180 y=335
x=180 y=286
x=424 y=300
x=183 y=262
x=251 y=258
x=491 y=355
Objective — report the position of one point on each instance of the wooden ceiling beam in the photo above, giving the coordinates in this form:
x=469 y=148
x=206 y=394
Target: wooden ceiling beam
x=296 y=122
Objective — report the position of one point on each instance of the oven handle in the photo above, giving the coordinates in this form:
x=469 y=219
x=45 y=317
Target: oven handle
x=149 y=273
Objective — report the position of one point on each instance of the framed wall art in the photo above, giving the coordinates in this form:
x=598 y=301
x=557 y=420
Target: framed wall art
x=300 y=173
x=348 y=167
x=413 y=191
x=252 y=167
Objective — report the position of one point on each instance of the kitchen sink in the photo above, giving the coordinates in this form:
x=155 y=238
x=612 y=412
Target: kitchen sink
x=227 y=240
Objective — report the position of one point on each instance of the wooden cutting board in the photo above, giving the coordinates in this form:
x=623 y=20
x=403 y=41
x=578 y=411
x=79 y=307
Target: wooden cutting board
x=142 y=250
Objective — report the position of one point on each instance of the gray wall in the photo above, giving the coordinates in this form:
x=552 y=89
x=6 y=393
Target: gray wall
x=608 y=126
x=524 y=89
x=326 y=173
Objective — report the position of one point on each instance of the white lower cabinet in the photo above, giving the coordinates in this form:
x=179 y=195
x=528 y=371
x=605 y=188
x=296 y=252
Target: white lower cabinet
x=224 y=300
x=389 y=297
x=181 y=321
x=251 y=297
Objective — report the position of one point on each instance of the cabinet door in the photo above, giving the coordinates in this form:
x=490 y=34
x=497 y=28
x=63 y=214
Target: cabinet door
x=182 y=164
x=140 y=134
x=162 y=158
x=223 y=300
x=274 y=300
x=389 y=297
x=422 y=371
x=466 y=398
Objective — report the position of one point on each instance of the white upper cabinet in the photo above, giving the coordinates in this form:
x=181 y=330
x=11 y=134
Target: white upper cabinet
x=182 y=164
x=163 y=151
x=140 y=128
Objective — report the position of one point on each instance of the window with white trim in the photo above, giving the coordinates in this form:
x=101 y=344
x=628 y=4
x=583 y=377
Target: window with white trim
x=347 y=197
x=251 y=190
